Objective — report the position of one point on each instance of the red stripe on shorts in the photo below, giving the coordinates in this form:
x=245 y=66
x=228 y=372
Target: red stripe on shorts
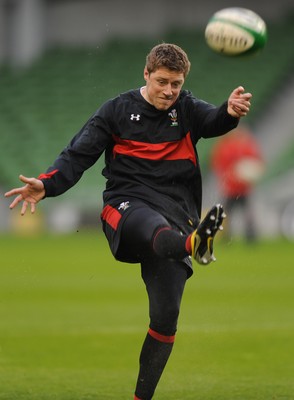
x=111 y=216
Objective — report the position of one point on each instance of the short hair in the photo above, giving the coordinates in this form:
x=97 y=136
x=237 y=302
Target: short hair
x=169 y=56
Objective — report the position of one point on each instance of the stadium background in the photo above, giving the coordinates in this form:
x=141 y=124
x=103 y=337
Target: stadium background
x=59 y=60
x=72 y=319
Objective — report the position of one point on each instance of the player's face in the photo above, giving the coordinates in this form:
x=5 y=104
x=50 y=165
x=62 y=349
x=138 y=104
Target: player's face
x=162 y=87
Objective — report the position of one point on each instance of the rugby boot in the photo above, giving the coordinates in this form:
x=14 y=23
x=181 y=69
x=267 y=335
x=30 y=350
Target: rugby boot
x=202 y=238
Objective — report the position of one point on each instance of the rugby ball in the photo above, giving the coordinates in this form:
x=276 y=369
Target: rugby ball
x=236 y=31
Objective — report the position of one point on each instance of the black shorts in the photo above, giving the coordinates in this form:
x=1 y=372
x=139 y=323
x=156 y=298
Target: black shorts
x=129 y=227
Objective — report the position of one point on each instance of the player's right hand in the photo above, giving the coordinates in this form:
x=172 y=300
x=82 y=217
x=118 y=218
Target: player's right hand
x=31 y=193
x=239 y=103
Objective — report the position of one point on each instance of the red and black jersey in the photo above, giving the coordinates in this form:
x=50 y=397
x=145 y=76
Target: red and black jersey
x=150 y=154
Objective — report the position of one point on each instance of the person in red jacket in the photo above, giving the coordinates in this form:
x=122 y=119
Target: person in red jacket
x=237 y=162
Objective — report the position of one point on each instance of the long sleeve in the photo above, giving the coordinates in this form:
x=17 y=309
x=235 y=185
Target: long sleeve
x=81 y=153
x=209 y=121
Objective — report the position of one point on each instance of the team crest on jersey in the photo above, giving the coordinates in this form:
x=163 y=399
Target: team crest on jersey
x=174 y=117
x=124 y=205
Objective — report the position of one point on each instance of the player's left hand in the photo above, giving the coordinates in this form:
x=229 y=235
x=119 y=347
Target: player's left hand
x=239 y=103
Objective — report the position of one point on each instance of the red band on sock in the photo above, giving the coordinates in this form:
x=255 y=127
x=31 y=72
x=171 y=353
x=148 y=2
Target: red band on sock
x=161 y=338
x=188 y=244
x=136 y=398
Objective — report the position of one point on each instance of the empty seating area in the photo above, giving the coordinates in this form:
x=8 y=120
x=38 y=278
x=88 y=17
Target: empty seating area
x=43 y=106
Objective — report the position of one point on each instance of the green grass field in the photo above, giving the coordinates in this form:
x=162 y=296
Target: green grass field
x=72 y=321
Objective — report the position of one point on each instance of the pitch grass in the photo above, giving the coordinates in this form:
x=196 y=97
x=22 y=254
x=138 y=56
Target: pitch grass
x=72 y=321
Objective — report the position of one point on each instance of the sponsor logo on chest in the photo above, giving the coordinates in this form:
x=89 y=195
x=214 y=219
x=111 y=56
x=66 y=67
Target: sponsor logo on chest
x=135 y=117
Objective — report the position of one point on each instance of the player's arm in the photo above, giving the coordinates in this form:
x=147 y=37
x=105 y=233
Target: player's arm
x=82 y=152
x=211 y=121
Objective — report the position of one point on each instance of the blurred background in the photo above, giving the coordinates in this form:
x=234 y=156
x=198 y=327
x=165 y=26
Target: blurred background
x=61 y=59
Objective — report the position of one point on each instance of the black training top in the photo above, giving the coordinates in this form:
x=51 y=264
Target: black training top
x=149 y=154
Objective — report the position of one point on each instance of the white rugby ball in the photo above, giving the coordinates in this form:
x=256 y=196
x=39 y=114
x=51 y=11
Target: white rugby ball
x=236 y=31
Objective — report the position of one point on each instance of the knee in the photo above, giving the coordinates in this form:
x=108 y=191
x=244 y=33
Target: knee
x=164 y=319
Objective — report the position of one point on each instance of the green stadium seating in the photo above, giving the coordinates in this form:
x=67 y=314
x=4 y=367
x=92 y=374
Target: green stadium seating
x=44 y=105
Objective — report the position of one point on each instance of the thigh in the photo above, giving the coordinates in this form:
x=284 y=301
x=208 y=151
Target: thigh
x=165 y=282
x=137 y=234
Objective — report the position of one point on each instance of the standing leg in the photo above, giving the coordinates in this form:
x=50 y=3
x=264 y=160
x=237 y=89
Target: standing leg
x=148 y=238
x=165 y=281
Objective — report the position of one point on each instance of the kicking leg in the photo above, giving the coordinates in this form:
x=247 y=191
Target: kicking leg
x=145 y=232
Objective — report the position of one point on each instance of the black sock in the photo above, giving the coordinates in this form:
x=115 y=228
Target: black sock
x=153 y=358
x=170 y=244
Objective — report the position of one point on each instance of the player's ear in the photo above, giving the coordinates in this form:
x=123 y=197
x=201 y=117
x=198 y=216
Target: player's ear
x=146 y=74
